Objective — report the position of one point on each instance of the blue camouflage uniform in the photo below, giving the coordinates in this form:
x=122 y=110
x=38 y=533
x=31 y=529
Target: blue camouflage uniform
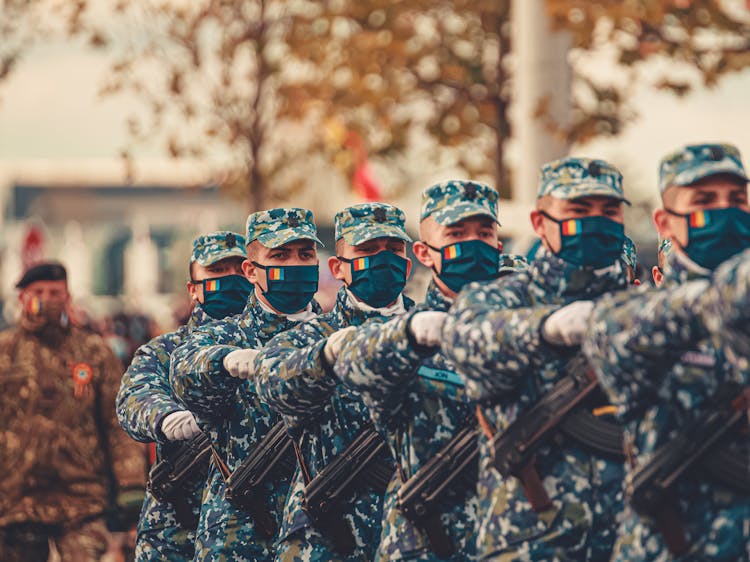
x=660 y=354
x=493 y=336
x=229 y=409
x=415 y=396
x=295 y=379
x=145 y=399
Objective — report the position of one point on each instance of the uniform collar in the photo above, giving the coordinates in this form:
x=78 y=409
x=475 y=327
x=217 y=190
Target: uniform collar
x=267 y=322
x=395 y=309
x=435 y=299
x=680 y=269
x=556 y=276
x=198 y=317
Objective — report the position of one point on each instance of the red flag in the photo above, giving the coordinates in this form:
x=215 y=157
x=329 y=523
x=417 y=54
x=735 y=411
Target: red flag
x=32 y=247
x=362 y=178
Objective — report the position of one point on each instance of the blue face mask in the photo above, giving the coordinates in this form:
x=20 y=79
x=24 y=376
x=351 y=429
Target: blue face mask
x=290 y=287
x=590 y=241
x=715 y=235
x=464 y=262
x=225 y=296
x=377 y=280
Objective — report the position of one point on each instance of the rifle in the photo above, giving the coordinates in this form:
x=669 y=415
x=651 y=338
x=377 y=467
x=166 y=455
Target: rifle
x=441 y=482
x=365 y=463
x=652 y=487
x=272 y=457
x=168 y=477
x=514 y=449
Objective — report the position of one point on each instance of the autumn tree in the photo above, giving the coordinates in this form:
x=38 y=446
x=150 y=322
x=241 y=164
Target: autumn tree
x=710 y=38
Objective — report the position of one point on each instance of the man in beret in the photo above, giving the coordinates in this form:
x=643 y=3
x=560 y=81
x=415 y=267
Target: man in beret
x=212 y=373
x=512 y=339
x=663 y=355
x=64 y=460
x=148 y=410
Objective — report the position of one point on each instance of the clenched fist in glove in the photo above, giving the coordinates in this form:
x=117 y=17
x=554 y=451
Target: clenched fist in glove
x=180 y=425
x=333 y=345
x=567 y=325
x=427 y=327
x=240 y=363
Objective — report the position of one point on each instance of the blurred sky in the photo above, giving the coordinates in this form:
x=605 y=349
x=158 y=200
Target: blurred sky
x=49 y=108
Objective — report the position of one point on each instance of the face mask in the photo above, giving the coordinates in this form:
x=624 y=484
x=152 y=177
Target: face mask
x=464 y=262
x=590 y=241
x=290 y=287
x=225 y=296
x=715 y=235
x=39 y=316
x=377 y=280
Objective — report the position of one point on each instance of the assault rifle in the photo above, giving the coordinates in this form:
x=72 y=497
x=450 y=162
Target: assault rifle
x=271 y=458
x=652 y=487
x=168 y=477
x=514 y=449
x=439 y=484
x=365 y=463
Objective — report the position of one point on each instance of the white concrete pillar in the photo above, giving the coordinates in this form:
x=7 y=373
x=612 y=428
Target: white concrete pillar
x=541 y=70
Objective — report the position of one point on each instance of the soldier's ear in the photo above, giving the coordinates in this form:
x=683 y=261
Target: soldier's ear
x=422 y=253
x=337 y=268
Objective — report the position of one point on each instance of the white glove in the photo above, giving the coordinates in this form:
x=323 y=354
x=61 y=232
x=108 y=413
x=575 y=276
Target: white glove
x=334 y=342
x=427 y=327
x=568 y=325
x=241 y=363
x=180 y=425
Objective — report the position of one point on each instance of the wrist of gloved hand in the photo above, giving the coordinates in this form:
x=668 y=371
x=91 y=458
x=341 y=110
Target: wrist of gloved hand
x=240 y=363
x=425 y=329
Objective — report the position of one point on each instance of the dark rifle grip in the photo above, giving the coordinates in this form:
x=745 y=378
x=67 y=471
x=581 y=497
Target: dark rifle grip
x=668 y=522
x=534 y=488
x=441 y=543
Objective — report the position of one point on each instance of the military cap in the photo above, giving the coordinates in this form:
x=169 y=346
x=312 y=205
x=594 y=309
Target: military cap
x=571 y=178
x=694 y=162
x=512 y=263
x=359 y=223
x=455 y=200
x=45 y=271
x=629 y=254
x=276 y=227
x=216 y=246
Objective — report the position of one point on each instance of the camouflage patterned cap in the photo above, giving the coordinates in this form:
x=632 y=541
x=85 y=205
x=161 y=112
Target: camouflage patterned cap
x=276 y=227
x=455 y=200
x=629 y=254
x=359 y=223
x=571 y=178
x=695 y=162
x=216 y=246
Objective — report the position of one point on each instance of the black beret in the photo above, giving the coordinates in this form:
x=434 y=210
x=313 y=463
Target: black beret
x=46 y=271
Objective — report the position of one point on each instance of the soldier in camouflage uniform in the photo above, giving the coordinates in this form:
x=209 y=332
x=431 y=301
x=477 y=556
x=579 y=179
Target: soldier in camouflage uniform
x=511 y=340
x=211 y=373
x=149 y=412
x=415 y=397
x=658 y=357
x=63 y=458
x=295 y=374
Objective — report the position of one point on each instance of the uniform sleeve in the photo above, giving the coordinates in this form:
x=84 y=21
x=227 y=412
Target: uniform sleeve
x=494 y=338
x=378 y=360
x=128 y=456
x=293 y=377
x=145 y=396
x=197 y=374
x=636 y=336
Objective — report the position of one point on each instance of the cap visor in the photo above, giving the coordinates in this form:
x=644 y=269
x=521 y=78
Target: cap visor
x=370 y=233
x=685 y=179
x=465 y=210
x=213 y=258
x=591 y=190
x=281 y=237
